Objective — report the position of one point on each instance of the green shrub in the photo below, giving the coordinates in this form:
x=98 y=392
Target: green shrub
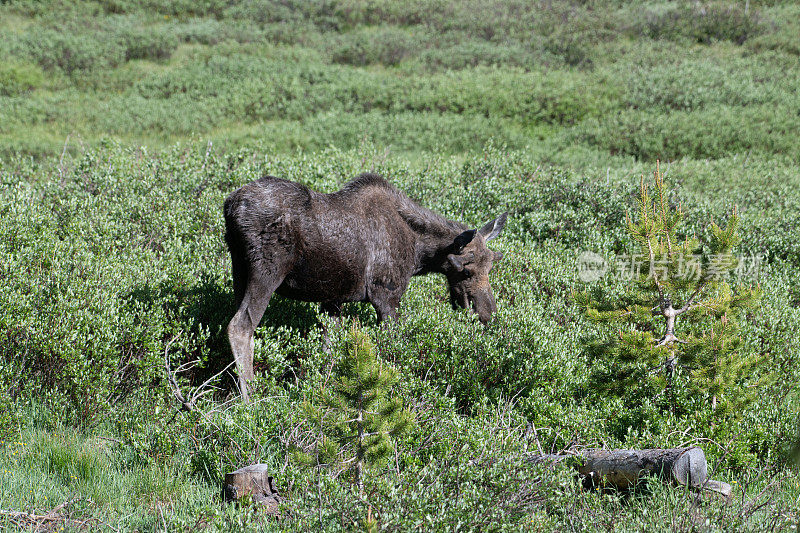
x=10 y=375
x=709 y=133
x=785 y=37
x=694 y=85
x=474 y=53
x=385 y=45
x=71 y=53
x=201 y=31
x=19 y=78
x=209 y=8
x=147 y=44
x=702 y=22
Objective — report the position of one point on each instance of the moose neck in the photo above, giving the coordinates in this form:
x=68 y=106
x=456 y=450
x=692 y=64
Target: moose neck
x=434 y=234
x=432 y=249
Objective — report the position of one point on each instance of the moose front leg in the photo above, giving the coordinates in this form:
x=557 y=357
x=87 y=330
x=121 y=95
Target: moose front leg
x=385 y=303
x=384 y=295
x=385 y=306
x=333 y=309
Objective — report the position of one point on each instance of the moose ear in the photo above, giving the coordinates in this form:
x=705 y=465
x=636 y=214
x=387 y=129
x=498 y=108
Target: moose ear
x=462 y=240
x=493 y=228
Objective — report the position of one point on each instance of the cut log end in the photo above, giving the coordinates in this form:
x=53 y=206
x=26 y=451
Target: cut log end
x=690 y=468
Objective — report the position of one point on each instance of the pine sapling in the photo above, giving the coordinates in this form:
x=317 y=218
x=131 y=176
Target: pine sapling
x=357 y=417
x=679 y=312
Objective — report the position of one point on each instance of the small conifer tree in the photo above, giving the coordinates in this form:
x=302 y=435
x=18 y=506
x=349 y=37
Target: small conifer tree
x=679 y=315
x=357 y=416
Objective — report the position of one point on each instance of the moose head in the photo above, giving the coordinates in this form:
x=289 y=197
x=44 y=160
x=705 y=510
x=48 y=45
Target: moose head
x=468 y=264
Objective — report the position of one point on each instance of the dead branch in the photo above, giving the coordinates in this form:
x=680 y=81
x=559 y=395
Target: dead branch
x=700 y=286
x=187 y=404
x=28 y=520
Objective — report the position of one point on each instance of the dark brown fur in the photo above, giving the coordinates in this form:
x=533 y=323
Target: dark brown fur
x=360 y=244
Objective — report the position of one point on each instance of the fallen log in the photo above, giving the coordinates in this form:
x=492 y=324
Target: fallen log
x=622 y=469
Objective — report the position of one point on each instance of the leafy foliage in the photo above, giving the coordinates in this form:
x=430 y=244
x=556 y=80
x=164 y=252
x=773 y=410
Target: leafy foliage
x=302 y=74
x=124 y=124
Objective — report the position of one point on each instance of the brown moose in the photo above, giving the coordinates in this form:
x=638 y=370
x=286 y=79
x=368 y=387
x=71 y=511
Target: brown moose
x=360 y=244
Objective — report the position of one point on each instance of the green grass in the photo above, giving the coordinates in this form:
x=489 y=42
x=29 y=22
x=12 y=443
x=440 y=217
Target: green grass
x=43 y=469
x=123 y=126
x=107 y=486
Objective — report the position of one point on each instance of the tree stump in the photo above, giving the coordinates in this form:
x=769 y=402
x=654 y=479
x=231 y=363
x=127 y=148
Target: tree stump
x=253 y=481
x=622 y=469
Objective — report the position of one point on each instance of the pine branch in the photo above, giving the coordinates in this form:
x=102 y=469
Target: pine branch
x=700 y=286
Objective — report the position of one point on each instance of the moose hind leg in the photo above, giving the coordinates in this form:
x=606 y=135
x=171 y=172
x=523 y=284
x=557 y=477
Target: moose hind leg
x=254 y=302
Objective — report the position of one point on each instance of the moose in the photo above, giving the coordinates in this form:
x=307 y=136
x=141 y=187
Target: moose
x=359 y=244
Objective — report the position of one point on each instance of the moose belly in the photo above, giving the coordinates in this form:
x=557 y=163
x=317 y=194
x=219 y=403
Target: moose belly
x=323 y=285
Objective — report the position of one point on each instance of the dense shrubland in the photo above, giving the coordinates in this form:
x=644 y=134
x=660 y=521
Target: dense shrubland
x=112 y=253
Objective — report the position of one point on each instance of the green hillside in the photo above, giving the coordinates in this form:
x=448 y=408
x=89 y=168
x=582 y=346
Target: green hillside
x=124 y=125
